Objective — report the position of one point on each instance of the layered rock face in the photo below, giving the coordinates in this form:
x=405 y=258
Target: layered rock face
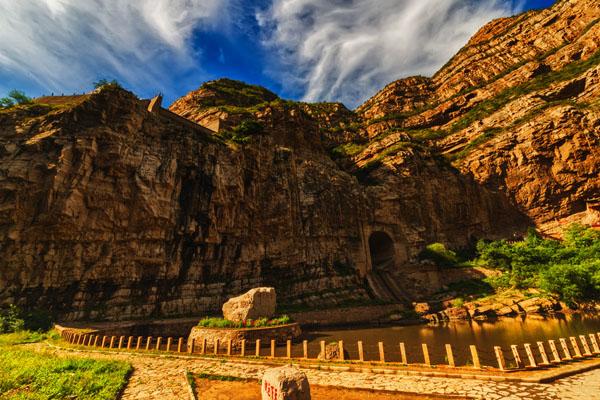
x=517 y=109
x=111 y=211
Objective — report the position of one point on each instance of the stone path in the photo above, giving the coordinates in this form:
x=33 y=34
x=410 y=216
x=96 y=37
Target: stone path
x=162 y=377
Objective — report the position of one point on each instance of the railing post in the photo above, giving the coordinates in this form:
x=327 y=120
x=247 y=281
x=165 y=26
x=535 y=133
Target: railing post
x=450 y=355
x=381 y=352
x=272 y=348
x=138 y=343
x=103 y=341
x=288 y=345
x=323 y=348
x=112 y=341
x=191 y=346
x=179 y=344
x=243 y=349
x=96 y=338
x=516 y=355
x=361 y=354
x=158 y=342
x=575 y=347
x=148 y=342
x=129 y=341
x=403 y=358
x=257 y=348
x=426 y=354
x=586 y=347
x=554 y=351
x=594 y=343
x=542 y=350
x=500 y=358
x=341 y=350
x=530 y=357
x=305 y=349
x=229 y=347
x=475 y=357
x=216 y=345
x=169 y=343
x=565 y=349
x=121 y=339
x=204 y=346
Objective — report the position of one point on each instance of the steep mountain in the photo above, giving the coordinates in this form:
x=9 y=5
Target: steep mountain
x=114 y=208
x=517 y=108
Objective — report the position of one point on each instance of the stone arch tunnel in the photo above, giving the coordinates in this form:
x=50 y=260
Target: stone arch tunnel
x=384 y=276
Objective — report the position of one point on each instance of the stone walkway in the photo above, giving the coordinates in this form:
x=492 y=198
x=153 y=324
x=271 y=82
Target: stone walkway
x=162 y=377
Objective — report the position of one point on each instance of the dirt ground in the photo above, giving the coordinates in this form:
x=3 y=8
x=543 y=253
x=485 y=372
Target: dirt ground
x=250 y=390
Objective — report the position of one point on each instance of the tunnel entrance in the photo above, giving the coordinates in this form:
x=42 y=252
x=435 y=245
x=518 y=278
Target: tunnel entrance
x=381 y=248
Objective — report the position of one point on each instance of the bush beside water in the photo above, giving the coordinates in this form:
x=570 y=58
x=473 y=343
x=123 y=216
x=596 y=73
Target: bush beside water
x=569 y=268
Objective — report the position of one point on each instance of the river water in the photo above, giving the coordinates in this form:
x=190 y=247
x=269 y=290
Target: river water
x=460 y=334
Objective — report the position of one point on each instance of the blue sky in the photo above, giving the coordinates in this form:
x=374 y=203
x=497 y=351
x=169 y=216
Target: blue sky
x=312 y=50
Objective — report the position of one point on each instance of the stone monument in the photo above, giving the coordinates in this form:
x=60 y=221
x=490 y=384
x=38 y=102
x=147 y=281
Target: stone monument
x=285 y=383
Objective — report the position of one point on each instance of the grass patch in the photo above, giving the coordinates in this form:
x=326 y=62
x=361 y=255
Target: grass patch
x=223 y=378
x=214 y=322
x=26 y=374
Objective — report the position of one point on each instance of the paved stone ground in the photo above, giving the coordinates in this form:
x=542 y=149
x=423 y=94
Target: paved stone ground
x=162 y=377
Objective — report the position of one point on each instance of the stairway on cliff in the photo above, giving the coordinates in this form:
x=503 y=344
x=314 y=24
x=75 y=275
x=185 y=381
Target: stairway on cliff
x=384 y=282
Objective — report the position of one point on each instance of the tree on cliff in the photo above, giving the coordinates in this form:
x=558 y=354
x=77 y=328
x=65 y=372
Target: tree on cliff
x=15 y=97
x=105 y=82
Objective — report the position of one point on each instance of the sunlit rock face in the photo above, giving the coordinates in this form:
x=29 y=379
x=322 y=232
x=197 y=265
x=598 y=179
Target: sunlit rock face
x=110 y=211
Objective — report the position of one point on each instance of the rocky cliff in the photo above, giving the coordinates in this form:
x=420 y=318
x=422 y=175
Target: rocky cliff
x=114 y=210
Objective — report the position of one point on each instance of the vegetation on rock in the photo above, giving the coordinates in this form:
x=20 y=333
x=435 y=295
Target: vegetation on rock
x=212 y=322
x=15 y=97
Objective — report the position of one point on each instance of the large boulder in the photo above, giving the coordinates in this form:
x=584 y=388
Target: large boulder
x=256 y=303
x=285 y=383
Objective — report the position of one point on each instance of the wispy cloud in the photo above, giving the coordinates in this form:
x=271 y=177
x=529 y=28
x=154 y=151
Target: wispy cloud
x=345 y=50
x=65 y=44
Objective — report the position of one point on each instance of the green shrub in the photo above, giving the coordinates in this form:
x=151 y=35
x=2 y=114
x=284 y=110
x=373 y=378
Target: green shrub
x=243 y=132
x=15 y=97
x=11 y=320
x=568 y=268
x=105 y=82
x=439 y=254
x=213 y=322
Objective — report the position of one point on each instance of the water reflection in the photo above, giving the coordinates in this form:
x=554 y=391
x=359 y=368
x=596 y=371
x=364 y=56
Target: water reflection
x=460 y=334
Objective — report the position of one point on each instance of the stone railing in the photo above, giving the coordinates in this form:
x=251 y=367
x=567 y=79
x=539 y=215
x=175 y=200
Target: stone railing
x=542 y=354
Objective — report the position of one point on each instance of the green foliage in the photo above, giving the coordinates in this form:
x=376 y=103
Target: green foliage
x=243 y=132
x=105 y=82
x=31 y=375
x=215 y=377
x=348 y=149
x=458 y=302
x=10 y=320
x=15 y=97
x=439 y=254
x=568 y=268
x=234 y=93
x=213 y=322
x=13 y=319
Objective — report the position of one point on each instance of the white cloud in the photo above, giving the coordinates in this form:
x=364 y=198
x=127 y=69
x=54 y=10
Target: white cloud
x=346 y=50
x=65 y=44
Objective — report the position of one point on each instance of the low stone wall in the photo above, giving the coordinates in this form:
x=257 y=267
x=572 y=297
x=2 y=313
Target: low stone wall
x=280 y=334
